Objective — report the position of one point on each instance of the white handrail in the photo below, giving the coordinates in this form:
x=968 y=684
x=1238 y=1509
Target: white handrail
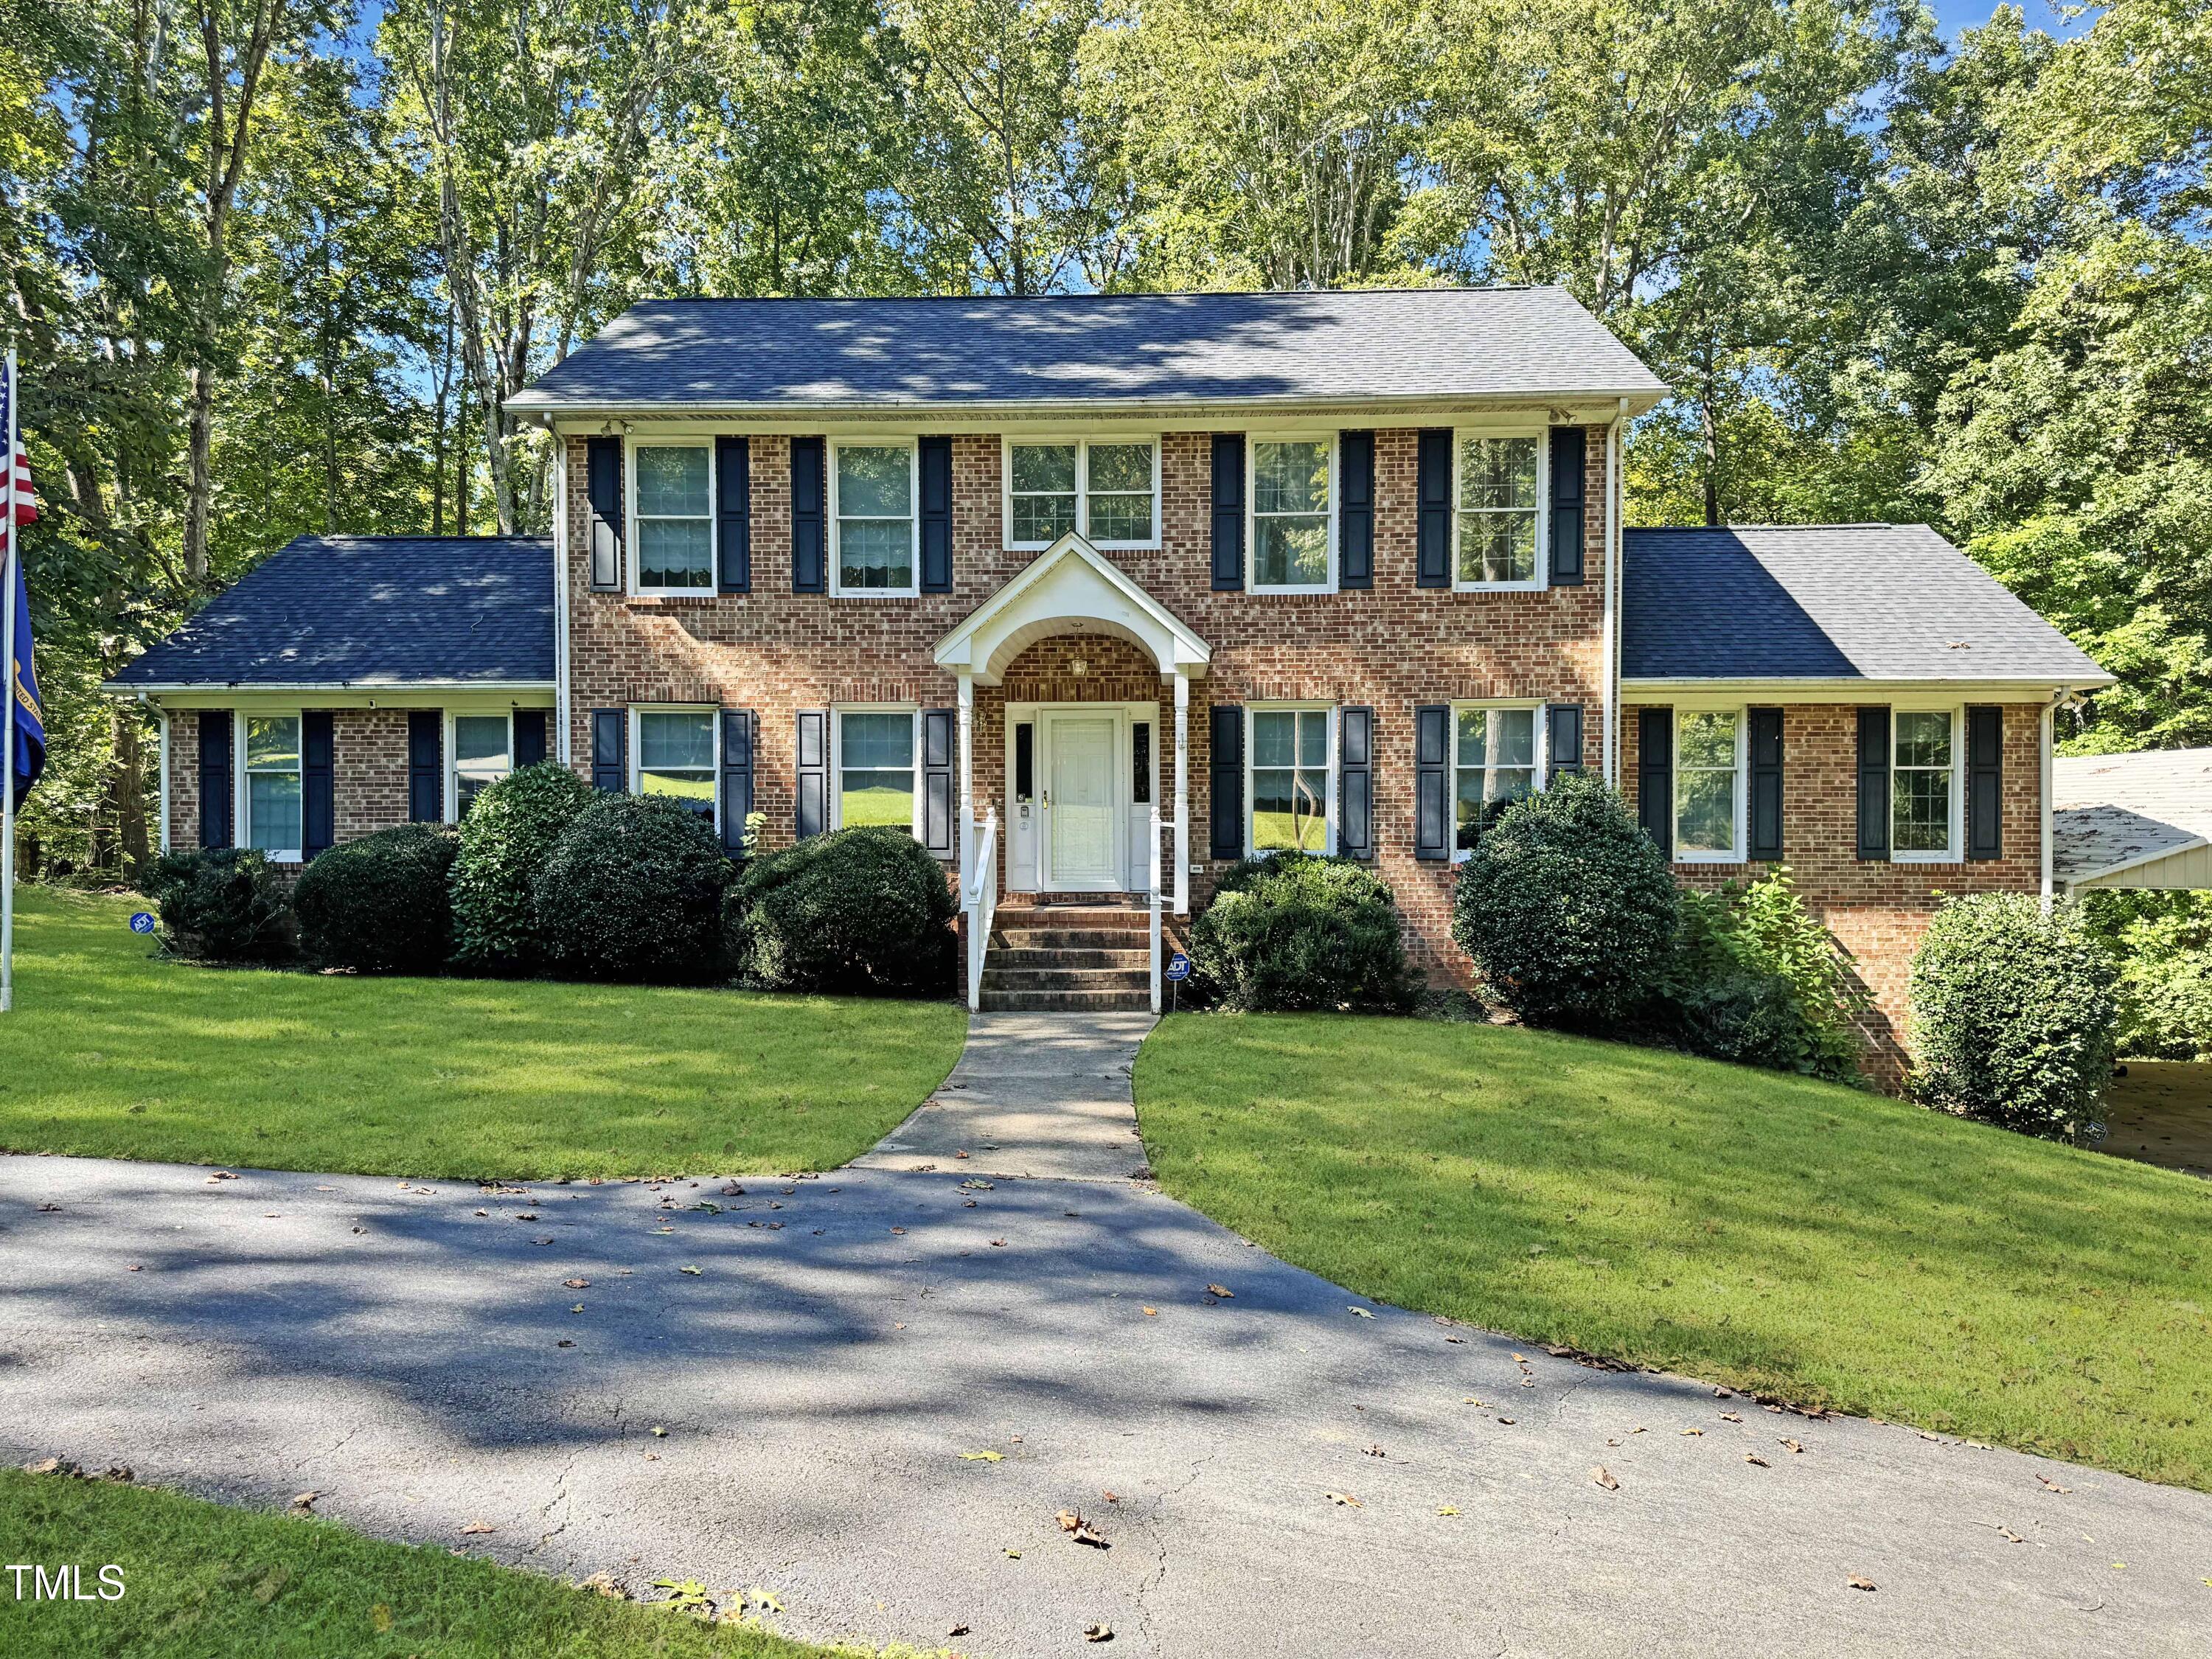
x=1154 y=885
x=979 y=897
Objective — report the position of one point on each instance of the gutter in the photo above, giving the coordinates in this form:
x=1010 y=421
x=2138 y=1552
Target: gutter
x=175 y=686
x=545 y=412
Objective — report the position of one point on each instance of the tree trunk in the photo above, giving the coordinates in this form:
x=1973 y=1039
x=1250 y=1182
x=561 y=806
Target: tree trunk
x=127 y=795
x=1710 y=436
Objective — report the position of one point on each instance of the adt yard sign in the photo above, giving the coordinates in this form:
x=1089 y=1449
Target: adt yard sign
x=1178 y=967
x=141 y=922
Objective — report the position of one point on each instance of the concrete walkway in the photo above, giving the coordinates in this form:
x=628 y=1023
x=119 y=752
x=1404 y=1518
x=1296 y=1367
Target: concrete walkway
x=880 y=1387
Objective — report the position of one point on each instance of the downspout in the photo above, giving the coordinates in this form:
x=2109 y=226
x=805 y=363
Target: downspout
x=561 y=699
x=2059 y=698
x=1609 y=642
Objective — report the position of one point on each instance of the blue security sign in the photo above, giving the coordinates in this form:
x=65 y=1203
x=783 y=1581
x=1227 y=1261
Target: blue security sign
x=1178 y=966
x=141 y=922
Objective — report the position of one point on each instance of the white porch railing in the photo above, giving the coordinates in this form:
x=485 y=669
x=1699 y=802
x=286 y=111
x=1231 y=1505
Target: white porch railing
x=979 y=896
x=1152 y=890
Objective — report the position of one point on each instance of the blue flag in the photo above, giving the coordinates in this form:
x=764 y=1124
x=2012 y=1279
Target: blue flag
x=30 y=722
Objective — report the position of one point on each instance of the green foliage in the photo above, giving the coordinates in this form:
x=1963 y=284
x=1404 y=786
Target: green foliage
x=2164 y=942
x=1568 y=908
x=1759 y=981
x=222 y=904
x=2013 y=1014
x=854 y=910
x=380 y=904
x=633 y=891
x=1297 y=931
x=506 y=839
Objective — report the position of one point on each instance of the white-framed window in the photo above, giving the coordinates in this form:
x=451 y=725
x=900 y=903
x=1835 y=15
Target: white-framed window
x=1290 y=519
x=1290 y=779
x=673 y=516
x=1711 y=747
x=1109 y=488
x=482 y=750
x=269 y=786
x=675 y=755
x=1498 y=493
x=875 y=758
x=875 y=512
x=1927 y=794
x=1497 y=757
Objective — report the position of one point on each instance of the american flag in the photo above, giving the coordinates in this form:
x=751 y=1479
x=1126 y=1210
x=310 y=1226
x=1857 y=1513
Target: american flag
x=27 y=498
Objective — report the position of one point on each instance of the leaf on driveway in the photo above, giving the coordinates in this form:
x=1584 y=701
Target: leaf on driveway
x=564 y=1343
x=1151 y=1312
x=1756 y=1461
x=1080 y=1530
x=1344 y=1500
x=304 y=1500
x=475 y=1528
x=1693 y=1431
x=1793 y=1445
x=578 y=1284
x=1601 y=1476
x=222 y=1175
x=1858 y=1583
x=1100 y=1632
x=2049 y=1485
x=1221 y=1290
x=660 y=1433
x=694 y=1272
x=579 y=1307
x=1362 y=1312
x=982 y=1457
x=1447 y=1509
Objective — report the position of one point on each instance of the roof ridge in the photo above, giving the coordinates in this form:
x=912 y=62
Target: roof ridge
x=1146 y=294
x=1860 y=524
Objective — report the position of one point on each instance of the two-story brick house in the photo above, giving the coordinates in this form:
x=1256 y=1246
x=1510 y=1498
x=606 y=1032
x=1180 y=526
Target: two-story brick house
x=1319 y=570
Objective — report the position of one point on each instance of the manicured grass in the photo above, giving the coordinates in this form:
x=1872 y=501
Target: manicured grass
x=204 y=1581
x=111 y=1053
x=1769 y=1233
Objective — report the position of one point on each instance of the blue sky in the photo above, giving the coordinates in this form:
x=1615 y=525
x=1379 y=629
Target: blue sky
x=1955 y=14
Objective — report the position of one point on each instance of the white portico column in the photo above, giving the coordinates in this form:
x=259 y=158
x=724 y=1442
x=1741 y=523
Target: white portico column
x=967 y=779
x=1182 y=794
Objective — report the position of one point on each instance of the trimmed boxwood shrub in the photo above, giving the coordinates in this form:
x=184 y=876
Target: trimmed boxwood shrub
x=222 y=904
x=633 y=890
x=2014 y=1015
x=506 y=839
x=864 y=910
x=380 y=904
x=1759 y=981
x=1568 y=908
x=1300 y=931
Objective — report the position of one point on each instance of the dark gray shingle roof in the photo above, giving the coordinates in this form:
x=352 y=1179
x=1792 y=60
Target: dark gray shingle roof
x=1103 y=349
x=1862 y=601
x=370 y=611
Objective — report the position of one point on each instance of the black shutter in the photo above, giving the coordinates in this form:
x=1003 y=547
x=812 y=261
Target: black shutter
x=937 y=515
x=811 y=791
x=1569 y=448
x=1984 y=783
x=609 y=747
x=940 y=753
x=1229 y=519
x=736 y=778
x=529 y=736
x=318 y=783
x=733 y=527
x=1655 y=775
x=1563 y=739
x=426 y=771
x=1226 y=780
x=1873 y=783
x=1432 y=792
x=1766 y=783
x=808 y=569
x=218 y=793
x=1356 y=518
x=602 y=487
x=1433 y=568
x=1355 y=765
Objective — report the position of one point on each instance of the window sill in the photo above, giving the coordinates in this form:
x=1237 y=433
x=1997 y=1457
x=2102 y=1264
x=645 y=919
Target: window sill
x=875 y=593
x=1260 y=593
x=1502 y=587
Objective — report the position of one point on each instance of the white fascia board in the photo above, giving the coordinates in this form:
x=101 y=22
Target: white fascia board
x=1831 y=690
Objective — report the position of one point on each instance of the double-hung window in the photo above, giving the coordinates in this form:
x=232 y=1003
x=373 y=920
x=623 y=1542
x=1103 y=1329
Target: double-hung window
x=1109 y=490
x=1291 y=785
x=273 y=784
x=482 y=748
x=675 y=520
x=875 y=764
x=676 y=757
x=1709 y=792
x=874 y=498
x=1499 y=535
x=1924 y=793
x=1496 y=760
x=1293 y=514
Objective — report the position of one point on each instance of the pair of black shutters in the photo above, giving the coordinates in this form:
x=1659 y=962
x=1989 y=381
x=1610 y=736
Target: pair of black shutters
x=1655 y=784
x=426 y=757
x=733 y=538
x=737 y=739
x=1356 y=763
x=1356 y=509
x=218 y=742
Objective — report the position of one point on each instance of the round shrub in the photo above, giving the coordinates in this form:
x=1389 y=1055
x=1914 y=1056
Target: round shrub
x=1568 y=908
x=380 y=904
x=2013 y=1014
x=1758 y=980
x=633 y=890
x=864 y=910
x=1300 y=931
x=222 y=904
x=506 y=839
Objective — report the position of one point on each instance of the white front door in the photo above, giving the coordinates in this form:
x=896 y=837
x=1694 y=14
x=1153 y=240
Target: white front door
x=1083 y=809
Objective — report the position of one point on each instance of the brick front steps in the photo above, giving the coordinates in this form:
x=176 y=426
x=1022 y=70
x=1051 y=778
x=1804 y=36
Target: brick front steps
x=1049 y=957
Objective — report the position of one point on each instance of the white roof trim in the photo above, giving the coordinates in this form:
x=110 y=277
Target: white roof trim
x=1839 y=688
x=1070 y=587
x=226 y=687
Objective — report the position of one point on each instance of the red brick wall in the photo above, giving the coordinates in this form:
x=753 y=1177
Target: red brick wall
x=1392 y=647
x=1876 y=910
x=370 y=788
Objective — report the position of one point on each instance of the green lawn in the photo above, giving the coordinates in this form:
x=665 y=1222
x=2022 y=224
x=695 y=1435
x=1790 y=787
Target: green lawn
x=204 y=1581
x=111 y=1053
x=1769 y=1233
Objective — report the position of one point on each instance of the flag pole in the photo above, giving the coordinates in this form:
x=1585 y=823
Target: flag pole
x=8 y=729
